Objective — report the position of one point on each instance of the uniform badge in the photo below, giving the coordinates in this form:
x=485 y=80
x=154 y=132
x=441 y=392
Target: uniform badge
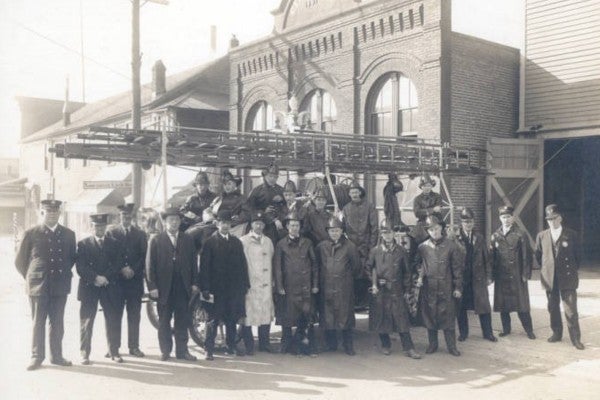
x=496 y=244
x=565 y=244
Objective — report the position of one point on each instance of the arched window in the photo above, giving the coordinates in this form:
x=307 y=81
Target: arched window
x=322 y=109
x=393 y=106
x=260 y=117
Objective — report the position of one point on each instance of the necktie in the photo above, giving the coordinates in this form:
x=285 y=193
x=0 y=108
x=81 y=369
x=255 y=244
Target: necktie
x=101 y=242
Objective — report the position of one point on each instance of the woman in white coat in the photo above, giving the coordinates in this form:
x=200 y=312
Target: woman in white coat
x=259 y=300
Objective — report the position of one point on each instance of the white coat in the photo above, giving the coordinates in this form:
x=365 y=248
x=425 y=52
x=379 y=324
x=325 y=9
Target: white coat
x=259 y=299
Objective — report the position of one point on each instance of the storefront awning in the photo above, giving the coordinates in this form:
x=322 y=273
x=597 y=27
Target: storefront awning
x=106 y=190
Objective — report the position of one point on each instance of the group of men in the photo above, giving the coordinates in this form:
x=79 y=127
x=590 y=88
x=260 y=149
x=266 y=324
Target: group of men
x=297 y=263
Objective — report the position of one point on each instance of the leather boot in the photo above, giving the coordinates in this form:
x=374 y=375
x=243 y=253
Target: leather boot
x=432 y=335
x=450 y=336
x=348 y=342
x=248 y=339
x=263 y=338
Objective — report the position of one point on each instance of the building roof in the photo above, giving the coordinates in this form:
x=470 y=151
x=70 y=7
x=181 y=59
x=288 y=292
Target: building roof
x=209 y=78
x=37 y=113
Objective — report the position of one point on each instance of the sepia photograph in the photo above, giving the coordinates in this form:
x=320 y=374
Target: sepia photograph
x=300 y=199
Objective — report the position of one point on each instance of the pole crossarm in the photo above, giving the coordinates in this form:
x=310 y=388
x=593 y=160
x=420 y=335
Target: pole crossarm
x=306 y=152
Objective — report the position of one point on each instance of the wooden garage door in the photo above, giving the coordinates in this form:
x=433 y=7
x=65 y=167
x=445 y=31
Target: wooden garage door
x=516 y=180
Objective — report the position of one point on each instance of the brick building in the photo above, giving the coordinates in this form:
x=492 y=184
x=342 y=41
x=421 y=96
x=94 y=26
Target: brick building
x=379 y=67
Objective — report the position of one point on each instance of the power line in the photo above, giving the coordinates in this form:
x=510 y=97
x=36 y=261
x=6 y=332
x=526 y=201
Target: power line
x=24 y=27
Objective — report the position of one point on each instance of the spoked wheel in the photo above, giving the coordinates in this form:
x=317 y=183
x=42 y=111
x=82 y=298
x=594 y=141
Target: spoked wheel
x=198 y=325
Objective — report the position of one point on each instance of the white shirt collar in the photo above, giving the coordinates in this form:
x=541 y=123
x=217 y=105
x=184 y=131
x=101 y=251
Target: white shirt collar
x=224 y=236
x=255 y=235
x=505 y=230
x=52 y=228
x=555 y=233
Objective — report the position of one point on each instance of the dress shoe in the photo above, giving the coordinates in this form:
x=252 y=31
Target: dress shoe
x=164 y=357
x=462 y=338
x=117 y=358
x=386 y=351
x=504 y=333
x=209 y=357
x=412 y=353
x=578 y=345
x=187 y=357
x=85 y=361
x=454 y=352
x=350 y=351
x=554 y=338
x=136 y=353
x=61 y=362
x=531 y=335
x=491 y=338
x=266 y=348
x=432 y=348
x=249 y=352
x=34 y=364
x=107 y=355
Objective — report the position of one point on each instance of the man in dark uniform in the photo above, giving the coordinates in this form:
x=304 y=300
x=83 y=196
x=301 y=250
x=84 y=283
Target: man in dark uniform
x=440 y=276
x=195 y=204
x=268 y=198
x=477 y=276
x=339 y=265
x=296 y=282
x=425 y=204
x=171 y=274
x=99 y=262
x=224 y=274
x=131 y=279
x=511 y=268
x=360 y=223
x=317 y=218
x=556 y=251
x=45 y=258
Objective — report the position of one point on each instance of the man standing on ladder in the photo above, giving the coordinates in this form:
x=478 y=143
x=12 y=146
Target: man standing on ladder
x=425 y=204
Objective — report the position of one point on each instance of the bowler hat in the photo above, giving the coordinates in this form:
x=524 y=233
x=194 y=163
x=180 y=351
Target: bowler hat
x=293 y=216
x=552 y=211
x=50 y=204
x=126 y=208
x=334 y=223
x=170 y=211
x=99 y=219
x=201 y=179
x=467 y=214
x=224 y=216
x=503 y=210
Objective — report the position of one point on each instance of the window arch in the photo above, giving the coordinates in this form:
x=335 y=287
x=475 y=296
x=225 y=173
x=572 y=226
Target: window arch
x=260 y=117
x=322 y=109
x=393 y=106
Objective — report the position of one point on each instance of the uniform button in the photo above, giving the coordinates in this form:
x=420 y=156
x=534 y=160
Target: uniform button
x=60 y=250
x=51 y=250
x=60 y=270
x=52 y=259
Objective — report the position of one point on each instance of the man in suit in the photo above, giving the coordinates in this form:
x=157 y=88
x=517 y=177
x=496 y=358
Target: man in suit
x=171 y=270
x=99 y=262
x=556 y=251
x=224 y=274
x=45 y=258
x=131 y=277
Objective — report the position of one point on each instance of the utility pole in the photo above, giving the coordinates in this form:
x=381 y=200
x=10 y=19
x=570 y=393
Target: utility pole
x=136 y=107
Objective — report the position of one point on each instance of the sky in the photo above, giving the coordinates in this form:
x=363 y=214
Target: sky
x=40 y=43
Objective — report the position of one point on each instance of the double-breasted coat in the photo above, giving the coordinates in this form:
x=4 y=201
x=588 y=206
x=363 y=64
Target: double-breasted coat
x=163 y=261
x=45 y=259
x=197 y=203
x=315 y=225
x=511 y=268
x=440 y=266
x=477 y=271
x=423 y=206
x=388 y=311
x=296 y=271
x=560 y=262
x=263 y=196
x=224 y=273
x=134 y=247
x=259 y=299
x=361 y=226
x=339 y=266
x=93 y=260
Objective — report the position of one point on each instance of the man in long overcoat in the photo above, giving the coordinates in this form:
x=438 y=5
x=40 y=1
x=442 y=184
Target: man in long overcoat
x=296 y=282
x=268 y=199
x=425 y=204
x=360 y=224
x=392 y=279
x=511 y=269
x=171 y=273
x=339 y=265
x=131 y=279
x=556 y=251
x=45 y=258
x=477 y=276
x=99 y=263
x=224 y=275
x=440 y=275
x=258 y=250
